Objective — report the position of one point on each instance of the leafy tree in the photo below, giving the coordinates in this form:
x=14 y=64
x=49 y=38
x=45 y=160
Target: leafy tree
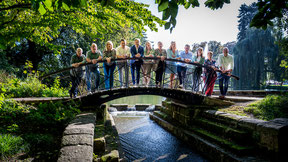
x=246 y=14
x=267 y=10
x=254 y=58
x=40 y=21
x=280 y=32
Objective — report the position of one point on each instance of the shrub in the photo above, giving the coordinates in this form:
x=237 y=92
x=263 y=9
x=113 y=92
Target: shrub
x=30 y=87
x=271 y=107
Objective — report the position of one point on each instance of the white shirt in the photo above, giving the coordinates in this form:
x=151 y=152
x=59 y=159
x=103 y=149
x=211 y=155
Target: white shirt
x=227 y=62
x=123 y=51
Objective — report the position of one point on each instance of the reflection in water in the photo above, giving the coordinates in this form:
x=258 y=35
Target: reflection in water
x=139 y=99
x=144 y=140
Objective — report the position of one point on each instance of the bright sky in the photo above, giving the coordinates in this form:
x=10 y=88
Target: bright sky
x=199 y=24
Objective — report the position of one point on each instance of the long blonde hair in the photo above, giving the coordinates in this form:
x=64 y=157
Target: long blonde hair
x=146 y=45
x=108 y=42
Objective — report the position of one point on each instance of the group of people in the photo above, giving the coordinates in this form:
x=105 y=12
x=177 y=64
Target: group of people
x=224 y=66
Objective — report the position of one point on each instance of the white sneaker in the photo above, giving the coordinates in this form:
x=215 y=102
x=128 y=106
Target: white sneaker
x=180 y=86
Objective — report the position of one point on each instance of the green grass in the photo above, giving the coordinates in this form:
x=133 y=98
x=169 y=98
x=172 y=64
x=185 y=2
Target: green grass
x=10 y=145
x=271 y=107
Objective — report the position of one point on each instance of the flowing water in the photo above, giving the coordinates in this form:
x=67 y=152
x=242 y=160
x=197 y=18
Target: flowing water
x=143 y=140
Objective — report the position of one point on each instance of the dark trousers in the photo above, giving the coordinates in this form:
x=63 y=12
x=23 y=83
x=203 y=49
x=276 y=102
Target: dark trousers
x=196 y=79
x=136 y=65
x=223 y=79
x=76 y=80
x=159 y=72
x=109 y=75
x=92 y=71
x=181 y=70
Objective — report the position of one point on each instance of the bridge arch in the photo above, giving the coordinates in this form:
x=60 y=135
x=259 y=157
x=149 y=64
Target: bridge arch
x=182 y=96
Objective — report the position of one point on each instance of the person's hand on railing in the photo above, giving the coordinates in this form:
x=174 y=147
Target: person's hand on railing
x=75 y=64
x=138 y=55
x=162 y=58
x=94 y=61
x=99 y=58
x=108 y=60
x=213 y=67
x=187 y=60
x=178 y=58
x=150 y=55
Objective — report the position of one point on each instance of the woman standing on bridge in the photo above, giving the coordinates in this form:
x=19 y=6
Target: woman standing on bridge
x=172 y=53
x=210 y=74
x=148 y=64
x=109 y=66
x=161 y=54
x=198 y=70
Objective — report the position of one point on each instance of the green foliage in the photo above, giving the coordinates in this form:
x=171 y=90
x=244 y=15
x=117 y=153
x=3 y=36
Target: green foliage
x=22 y=19
x=10 y=145
x=41 y=126
x=31 y=87
x=271 y=107
x=48 y=114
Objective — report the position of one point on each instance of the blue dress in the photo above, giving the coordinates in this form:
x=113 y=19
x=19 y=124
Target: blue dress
x=170 y=65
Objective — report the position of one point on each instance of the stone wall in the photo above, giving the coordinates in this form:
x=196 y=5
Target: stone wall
x=78 y=137
x=269 y=138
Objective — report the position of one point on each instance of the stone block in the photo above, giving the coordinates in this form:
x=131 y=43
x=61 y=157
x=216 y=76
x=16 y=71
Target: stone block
x=158 y=107
x=141 y=107
x=249 y=124
x=120 y=107
x=273 y=135
x=76 y=153
x=78 y=130
x=113 y=156
x=78 y=139
x=99 y=144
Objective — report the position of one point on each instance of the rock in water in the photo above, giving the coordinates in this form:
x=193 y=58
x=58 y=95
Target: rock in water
x=112 y=109
x=131 y=108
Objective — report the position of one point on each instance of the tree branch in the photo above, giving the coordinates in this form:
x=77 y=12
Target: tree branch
x=7 y=22
x=28 y=5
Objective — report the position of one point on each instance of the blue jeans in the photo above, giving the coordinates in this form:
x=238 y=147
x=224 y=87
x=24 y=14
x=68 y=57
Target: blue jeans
x=92 y=71
x=223 y=79
x=123 y=66
x=109 y=75
x=181 y=70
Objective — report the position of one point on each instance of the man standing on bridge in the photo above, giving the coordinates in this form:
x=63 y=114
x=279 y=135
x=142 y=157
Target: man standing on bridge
x=186 y=56
x=93 y=56
x=137 y=52
x=123 y=52
x=76 y=73
x=226 y=64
